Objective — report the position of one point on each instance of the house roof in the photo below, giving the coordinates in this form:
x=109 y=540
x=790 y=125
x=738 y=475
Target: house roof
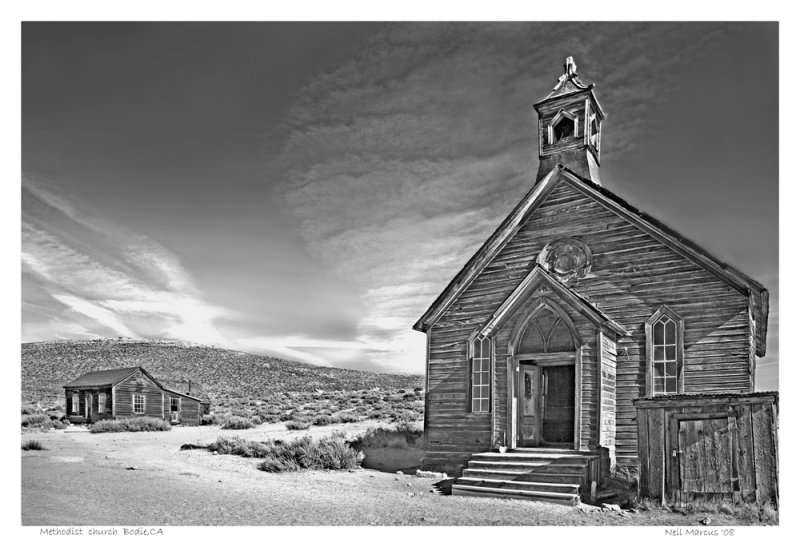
x=102 y=377
x=536 y=278
x=758 y=294
x=177 y=387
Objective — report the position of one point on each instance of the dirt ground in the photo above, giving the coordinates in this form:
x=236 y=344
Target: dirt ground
x=144 y=479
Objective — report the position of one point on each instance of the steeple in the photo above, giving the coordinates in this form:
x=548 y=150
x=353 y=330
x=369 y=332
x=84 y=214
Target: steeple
x=570 y=121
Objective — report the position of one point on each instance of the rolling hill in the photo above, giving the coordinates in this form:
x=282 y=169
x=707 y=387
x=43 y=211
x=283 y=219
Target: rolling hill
x=222 y=373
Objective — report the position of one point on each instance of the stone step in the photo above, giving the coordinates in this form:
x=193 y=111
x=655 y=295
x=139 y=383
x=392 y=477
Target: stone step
x=538 y=466
x=528 y=476
x=530 y=495
x=519 y=485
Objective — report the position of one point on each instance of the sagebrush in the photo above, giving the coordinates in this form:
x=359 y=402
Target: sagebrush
x=331 y=452
x=32 y=445
x=140 y=423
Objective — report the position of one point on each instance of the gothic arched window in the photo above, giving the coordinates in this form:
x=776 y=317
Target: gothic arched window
x=664 y=339
x=480 y=359
x=546 y=332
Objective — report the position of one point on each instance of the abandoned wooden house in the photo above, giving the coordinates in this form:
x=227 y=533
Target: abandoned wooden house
x=577 y=305
x=131 y=392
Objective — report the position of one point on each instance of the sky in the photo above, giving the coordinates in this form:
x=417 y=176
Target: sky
x=307 y=189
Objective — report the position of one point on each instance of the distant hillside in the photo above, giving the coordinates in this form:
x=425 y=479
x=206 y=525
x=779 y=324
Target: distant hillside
x=223 y=374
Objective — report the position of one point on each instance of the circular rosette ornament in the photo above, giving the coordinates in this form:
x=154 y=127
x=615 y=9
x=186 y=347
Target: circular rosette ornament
x=566 y=259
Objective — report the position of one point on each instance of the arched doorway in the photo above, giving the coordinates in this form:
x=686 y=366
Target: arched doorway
x=544 y=347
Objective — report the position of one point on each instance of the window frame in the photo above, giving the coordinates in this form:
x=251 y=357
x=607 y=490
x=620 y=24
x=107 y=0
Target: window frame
x=101 y=402
x=178 y=405
x=144 y=402
x=486 y=344
x=76 y=408
x=551 y=127
x=663 y=312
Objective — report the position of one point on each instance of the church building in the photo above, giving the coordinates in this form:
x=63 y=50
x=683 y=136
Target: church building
x=578 y=304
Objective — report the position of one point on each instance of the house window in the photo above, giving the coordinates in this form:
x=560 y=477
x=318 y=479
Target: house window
x=76 y=403
x=138 y=403
x=664 y=333
x=481 y=361
x=174 y=404
x=101 y=402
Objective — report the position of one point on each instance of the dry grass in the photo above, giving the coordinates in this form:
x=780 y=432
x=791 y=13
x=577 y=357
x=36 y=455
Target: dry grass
x=32 y=445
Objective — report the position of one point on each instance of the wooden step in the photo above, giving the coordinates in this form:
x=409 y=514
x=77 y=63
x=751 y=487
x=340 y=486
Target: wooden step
x=531 y=457
x=521 y=467
x=528 y=476
x=519 y=485
x=480 y=491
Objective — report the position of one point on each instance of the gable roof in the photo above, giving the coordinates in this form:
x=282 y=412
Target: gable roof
x=108 y=377
x=758 y=294
x=102 y=377
x=537 y=277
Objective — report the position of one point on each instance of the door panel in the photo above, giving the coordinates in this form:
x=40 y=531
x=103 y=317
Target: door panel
x=558 y=395
x=530 y=415
x=706 y=459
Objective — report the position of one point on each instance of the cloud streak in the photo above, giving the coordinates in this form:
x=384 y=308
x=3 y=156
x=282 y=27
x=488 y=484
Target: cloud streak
x=105 y=278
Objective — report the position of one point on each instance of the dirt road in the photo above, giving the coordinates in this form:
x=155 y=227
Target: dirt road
x=143 y=479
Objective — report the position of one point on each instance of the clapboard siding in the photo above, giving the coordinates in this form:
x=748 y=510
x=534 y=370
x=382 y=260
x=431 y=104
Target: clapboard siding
x=189 y=408
x=632 y=275
x=138 y=383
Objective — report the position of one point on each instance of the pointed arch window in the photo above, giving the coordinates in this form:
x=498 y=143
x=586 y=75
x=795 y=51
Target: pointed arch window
x=545 y=332
x=480 y=374
x=664 y=339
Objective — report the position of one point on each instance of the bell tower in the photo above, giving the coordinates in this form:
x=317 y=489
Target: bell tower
x=570 y=123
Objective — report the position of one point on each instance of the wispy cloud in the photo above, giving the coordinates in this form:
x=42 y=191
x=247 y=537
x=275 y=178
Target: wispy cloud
x=105 y=278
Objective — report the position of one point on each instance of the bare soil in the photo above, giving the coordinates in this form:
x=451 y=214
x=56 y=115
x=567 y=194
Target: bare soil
x=144 y=479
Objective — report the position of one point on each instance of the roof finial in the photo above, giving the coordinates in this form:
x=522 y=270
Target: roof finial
x=570 y=67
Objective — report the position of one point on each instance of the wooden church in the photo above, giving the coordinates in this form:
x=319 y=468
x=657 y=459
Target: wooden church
x=577 y=305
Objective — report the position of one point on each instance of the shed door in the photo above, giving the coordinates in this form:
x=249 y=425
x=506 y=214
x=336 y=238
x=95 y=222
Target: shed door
x=708 y=466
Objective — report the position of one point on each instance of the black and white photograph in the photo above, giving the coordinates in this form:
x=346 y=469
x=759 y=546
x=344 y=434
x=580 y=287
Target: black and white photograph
x=399 y=274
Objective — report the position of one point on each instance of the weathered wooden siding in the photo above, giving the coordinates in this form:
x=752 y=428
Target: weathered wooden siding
x=453 y=432
x=138 y=383
x=608 y=395
x=96 y=415
x=734 y=455
x=190 y=408
x=632 y=275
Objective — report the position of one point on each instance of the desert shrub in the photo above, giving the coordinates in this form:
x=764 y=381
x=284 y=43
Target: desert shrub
x=240 y=447
x=344 y=417
x=323 y=419
x=327 y=453
x=36 y=420
x=58 y=424
x=238 y=422
x=28 y=409
x=295 y=425
x=406 y=416
x=206 y=419
x=137 y=424
x=32 y=445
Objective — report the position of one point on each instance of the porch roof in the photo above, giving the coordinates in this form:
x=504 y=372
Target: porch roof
x=537 y=277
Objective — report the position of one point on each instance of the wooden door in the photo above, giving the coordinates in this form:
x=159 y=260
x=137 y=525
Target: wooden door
x=530 y=419
x=708 y=463
x=88 y=409
x=558 y=404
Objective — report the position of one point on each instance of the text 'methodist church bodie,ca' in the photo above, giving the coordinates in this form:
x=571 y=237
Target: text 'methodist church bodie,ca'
x=575 y=306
